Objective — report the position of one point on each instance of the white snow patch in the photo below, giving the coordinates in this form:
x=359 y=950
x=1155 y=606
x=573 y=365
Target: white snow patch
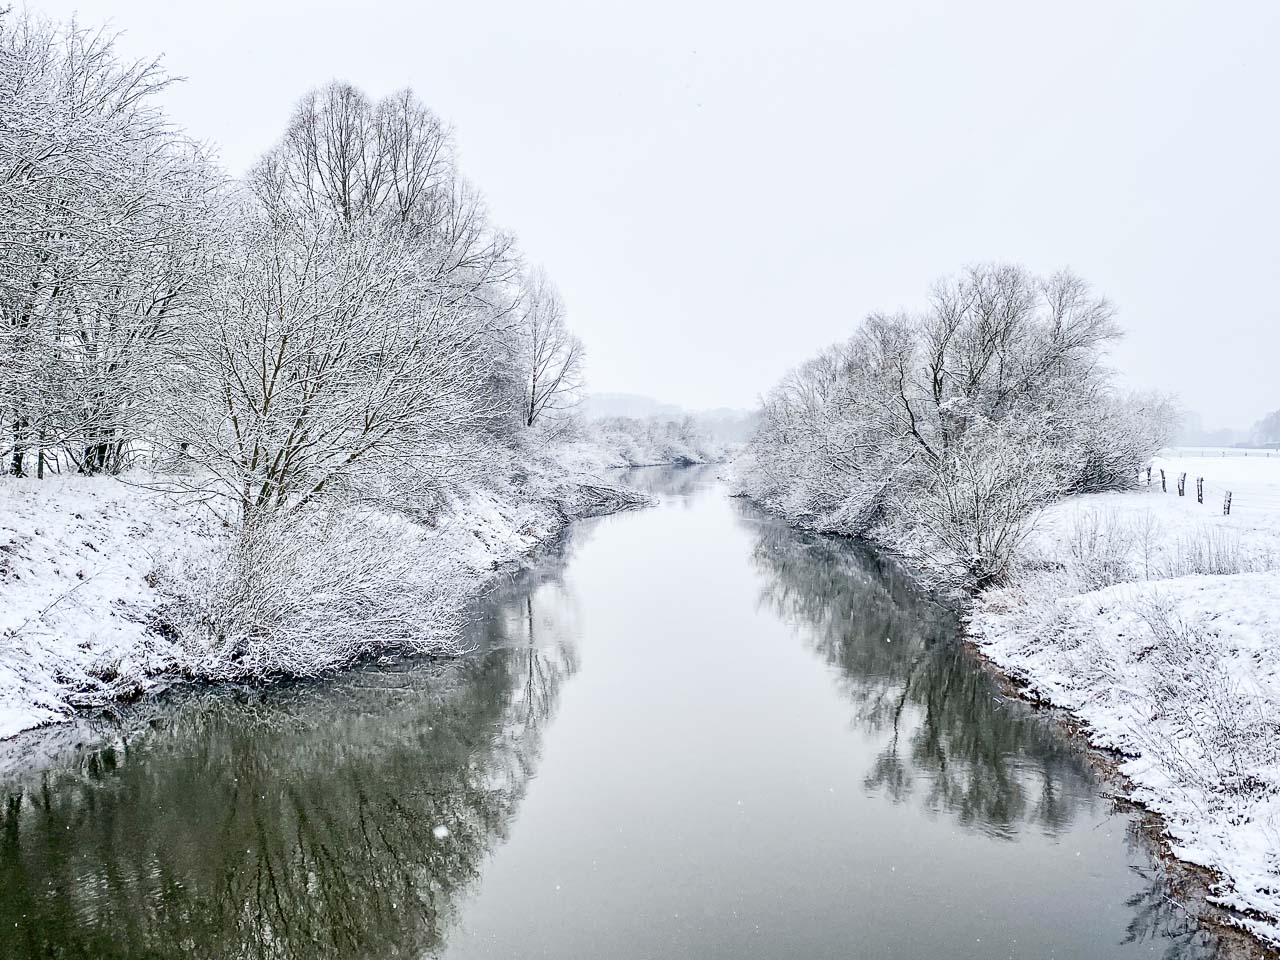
x=79 y=557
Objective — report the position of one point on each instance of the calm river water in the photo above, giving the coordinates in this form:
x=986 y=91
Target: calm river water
x=687 y=732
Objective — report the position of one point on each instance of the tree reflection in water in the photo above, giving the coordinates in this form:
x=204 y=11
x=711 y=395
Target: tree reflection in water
x=671 y=483
x=302 y=822
x=948 y=734
x=990 y=762
x=296 y=823
x=1164 y=924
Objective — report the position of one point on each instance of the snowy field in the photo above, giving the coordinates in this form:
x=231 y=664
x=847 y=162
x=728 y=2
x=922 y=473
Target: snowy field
x=1155 y=619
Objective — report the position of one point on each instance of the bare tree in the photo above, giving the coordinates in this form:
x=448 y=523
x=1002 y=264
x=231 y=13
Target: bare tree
x=554 y=354
x=102 y=231
x=361 y=321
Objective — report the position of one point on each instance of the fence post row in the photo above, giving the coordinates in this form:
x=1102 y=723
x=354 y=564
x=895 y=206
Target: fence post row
x=1182 y=488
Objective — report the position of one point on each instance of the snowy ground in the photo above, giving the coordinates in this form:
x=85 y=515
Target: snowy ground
x=1156 y=620
x=90 y=567
x=79 y=559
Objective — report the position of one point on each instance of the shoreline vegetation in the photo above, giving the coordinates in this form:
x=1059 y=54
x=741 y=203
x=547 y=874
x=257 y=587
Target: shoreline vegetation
x=985 y=444
x=111 y=588
x=1151 y=745
x=1151 y=619
x=261 y=426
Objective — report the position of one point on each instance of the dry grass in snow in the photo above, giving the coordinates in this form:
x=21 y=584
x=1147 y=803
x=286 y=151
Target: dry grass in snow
x=1156 y=620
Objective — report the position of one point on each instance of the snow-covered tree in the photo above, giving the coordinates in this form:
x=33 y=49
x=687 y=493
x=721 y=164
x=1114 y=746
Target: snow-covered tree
x=943 y=431
x=552 y=353
x=103 y=243
x=1267 y=429
x=363 y=321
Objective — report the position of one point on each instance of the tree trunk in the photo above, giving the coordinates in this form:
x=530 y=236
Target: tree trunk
x=19 y=447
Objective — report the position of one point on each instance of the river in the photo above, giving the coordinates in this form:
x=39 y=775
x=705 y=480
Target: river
x=687 y=731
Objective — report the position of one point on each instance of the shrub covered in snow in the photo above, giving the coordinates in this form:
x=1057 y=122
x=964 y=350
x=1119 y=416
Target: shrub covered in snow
x=301 y=593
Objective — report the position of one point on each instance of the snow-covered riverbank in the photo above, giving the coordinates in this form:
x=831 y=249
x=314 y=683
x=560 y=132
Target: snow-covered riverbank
x=80 y=561
x=1155 y=619
x=92 y=570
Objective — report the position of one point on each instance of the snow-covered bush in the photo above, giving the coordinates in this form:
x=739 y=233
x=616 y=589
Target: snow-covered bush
x=1215 y=728
x=1210 y=551
x=1112 y=435
x=298 y=594
x=1099 y=550
x=974 y=505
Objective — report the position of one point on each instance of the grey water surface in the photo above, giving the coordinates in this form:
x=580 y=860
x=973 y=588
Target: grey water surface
x=688 y=731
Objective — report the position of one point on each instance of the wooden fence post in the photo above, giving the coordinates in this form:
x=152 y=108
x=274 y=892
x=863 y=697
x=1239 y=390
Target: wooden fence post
x=1148 y=476
x=1163 y=488
x=1182 y=485
x=1199 y=489
x=1226 y=504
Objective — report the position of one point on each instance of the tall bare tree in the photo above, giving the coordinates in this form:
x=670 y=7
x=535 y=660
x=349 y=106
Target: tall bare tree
x=555 y=355
x=364 y=317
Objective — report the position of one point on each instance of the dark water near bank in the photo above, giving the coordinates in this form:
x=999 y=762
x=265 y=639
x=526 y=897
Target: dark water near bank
x=690 y=732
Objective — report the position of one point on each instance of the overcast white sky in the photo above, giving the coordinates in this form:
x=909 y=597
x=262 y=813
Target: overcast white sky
x=721 y=189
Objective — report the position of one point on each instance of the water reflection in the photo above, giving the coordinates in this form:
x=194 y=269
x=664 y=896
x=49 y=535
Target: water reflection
x=947 y=734
x=304 y=822
x=1162 y=923
x=699 y=796
x=671 y=483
